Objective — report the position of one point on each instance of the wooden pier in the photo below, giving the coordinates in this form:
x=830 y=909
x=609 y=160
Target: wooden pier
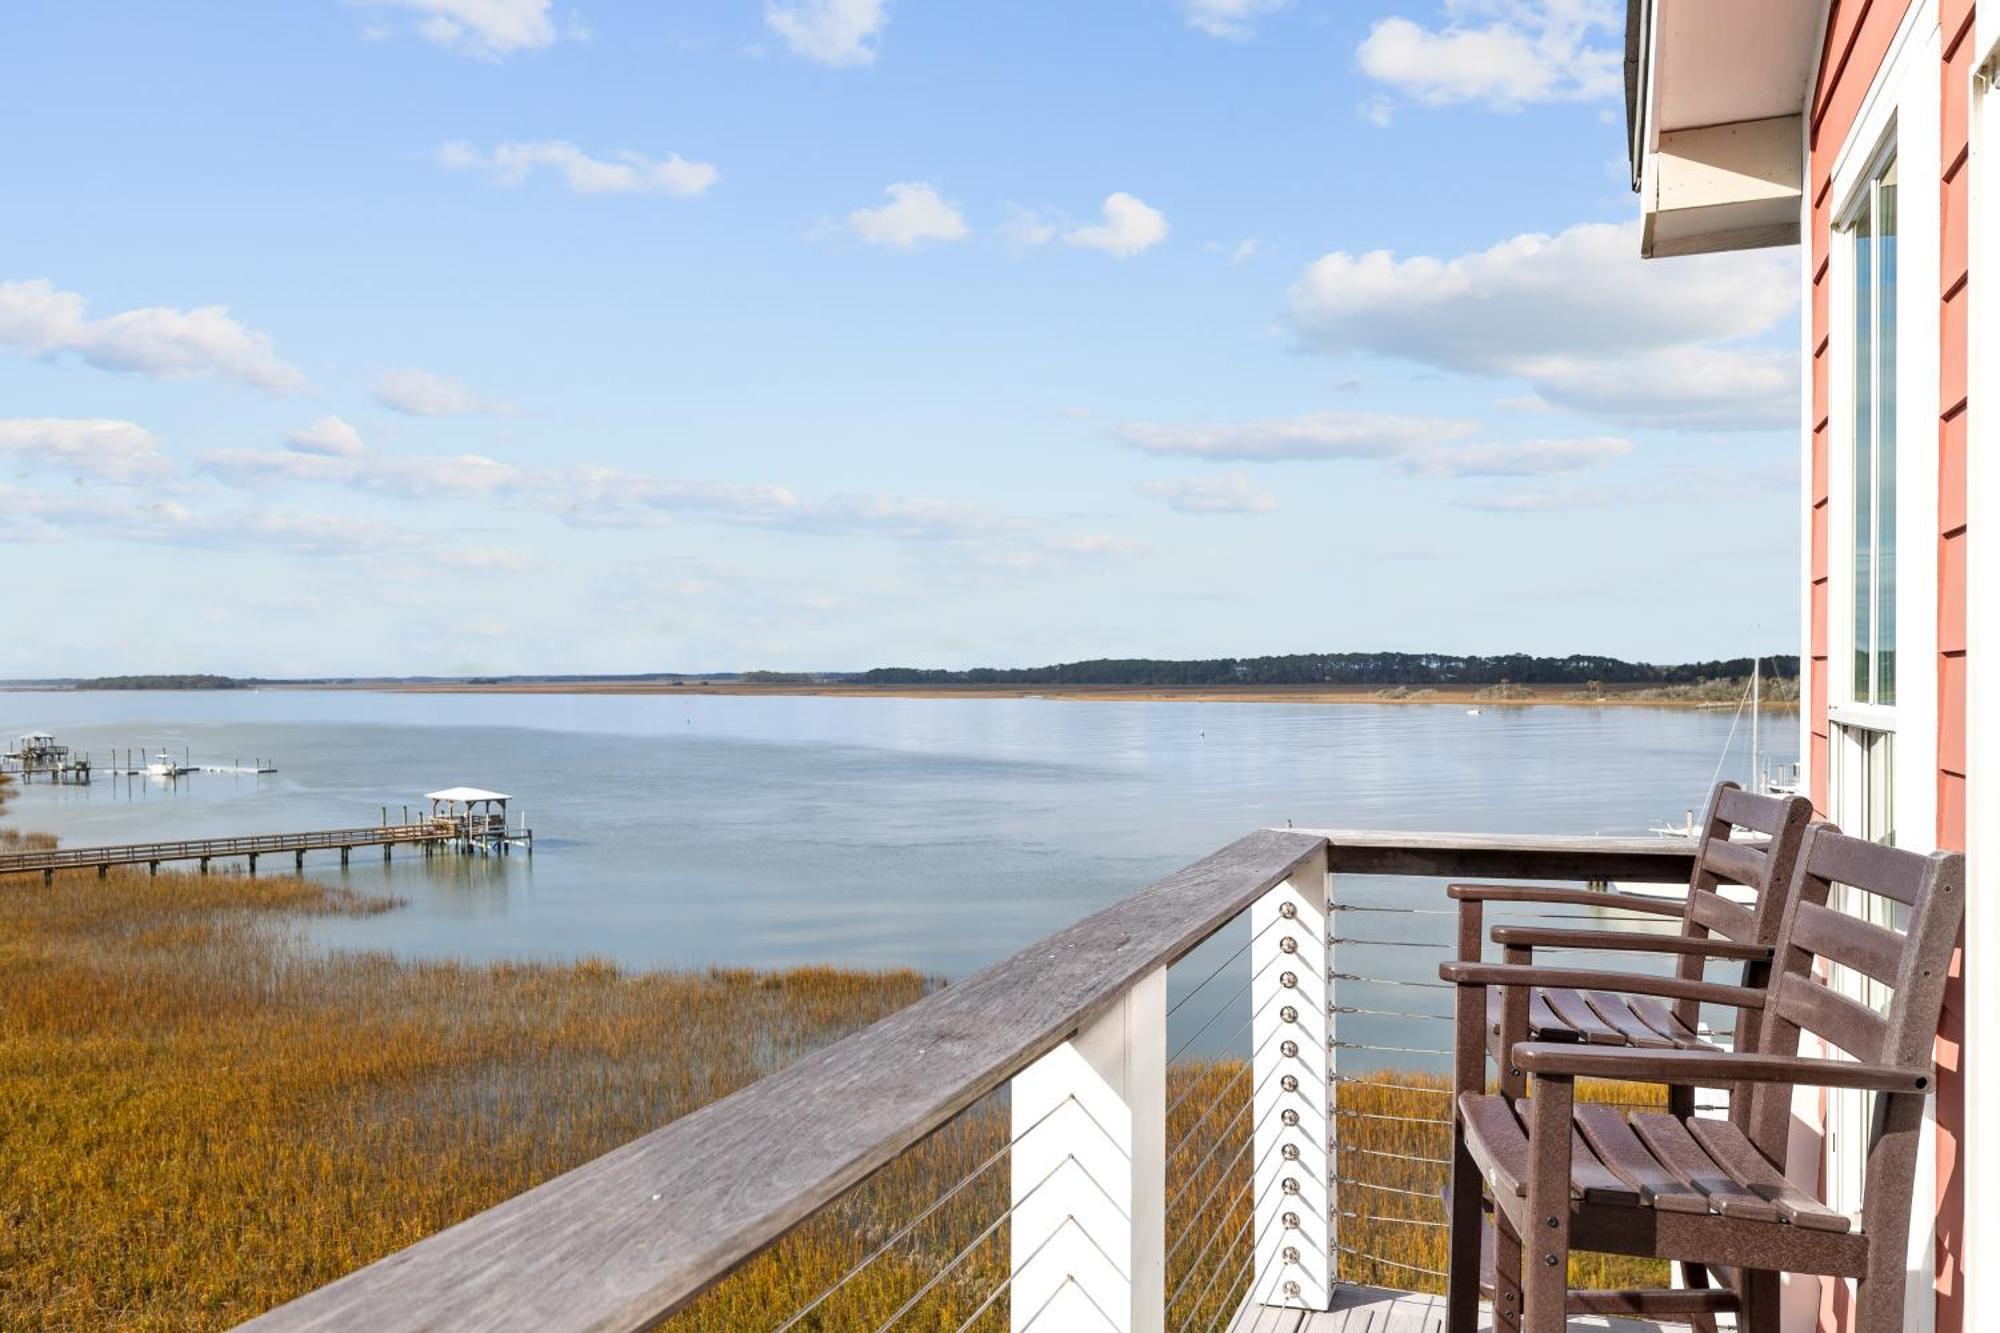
x=443 y=834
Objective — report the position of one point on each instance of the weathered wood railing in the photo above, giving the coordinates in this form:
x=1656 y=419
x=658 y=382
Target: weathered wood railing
x=1074 y=1022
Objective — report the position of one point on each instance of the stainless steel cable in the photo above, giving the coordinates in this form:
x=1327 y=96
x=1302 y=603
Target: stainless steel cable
x=903 y=1232
x=1392 y=944
x=1392 y=1050
x=1392 y=1263
x=1187 y=1135
x=1240 y=992
x=1392 y=1156
x=1389 y=981
x=1363 y=1081
x=1224 y=964
x=1194 y=1265
x=986 y=1234
x=1406 y=1221
x=1387 y=1013
x=1392 y=1119
x=1391 y=1189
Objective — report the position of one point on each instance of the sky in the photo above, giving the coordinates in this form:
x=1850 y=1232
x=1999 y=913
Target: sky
x=496 y=336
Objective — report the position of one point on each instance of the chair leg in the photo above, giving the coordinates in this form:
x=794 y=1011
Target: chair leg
x=1696 y=1277
x=1545 y=1277
x=1462 y=1286
x=1506 y=1275
x=1878 y=1299
x=1760 y=1302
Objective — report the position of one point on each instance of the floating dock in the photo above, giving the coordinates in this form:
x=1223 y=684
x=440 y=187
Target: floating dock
x=40 y=755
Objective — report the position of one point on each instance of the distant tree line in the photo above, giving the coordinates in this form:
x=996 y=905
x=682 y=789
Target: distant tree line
x=1343 y=669
x=195 y=682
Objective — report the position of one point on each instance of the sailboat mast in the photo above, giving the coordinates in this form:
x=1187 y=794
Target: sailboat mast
x=1756 y=707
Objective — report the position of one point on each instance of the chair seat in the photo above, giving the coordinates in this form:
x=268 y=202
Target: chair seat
x=1602 y=1018
x=1645 y=1159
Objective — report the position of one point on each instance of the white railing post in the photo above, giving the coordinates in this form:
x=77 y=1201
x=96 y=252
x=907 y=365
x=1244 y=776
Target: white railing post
x=1088 y=1231
x=1295 y=1201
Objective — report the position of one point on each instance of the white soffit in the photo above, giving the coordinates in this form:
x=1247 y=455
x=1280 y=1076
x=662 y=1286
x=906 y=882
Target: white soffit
x=1725 y=123
x=1716 y=62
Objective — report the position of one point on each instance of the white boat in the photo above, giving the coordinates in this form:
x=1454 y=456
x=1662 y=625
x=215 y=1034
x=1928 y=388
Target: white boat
x=164 y=765
x=1687 y=828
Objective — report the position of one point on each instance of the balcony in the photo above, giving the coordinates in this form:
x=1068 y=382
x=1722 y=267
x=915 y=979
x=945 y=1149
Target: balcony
x=1221 y=1103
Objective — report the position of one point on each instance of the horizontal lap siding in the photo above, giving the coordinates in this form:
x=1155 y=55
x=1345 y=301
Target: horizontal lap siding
x=1954 y=385
x=1857 y=37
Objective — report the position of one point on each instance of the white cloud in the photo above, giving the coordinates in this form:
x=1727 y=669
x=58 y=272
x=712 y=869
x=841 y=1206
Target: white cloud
x=328 y=437
x=1315 y=435
x=159 y=341
x=1712 y=388
x=1530 y=458
x=1025 y=226
x=1130 y=227
x=1541 y=502
x=419 y=393
x=1579 y=317
x=832 y=32
x=28 y=515
x=256 y=467
x=622 y=173
x=598 y=497
x=1228 y=18
x=1502 y=53
x=488 y=29
x=914 y=214
x=116 y=451
x=1229 y=493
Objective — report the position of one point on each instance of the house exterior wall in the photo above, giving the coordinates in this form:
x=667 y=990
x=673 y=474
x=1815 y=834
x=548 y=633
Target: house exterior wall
x=1858 y=37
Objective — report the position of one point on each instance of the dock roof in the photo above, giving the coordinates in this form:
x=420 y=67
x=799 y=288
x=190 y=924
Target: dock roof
x=466 y=794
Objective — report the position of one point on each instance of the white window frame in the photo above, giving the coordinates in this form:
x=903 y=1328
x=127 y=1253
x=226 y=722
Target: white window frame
x=1900 y=115
x=1847 y=687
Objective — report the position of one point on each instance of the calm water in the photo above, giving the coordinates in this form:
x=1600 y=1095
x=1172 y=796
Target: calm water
x=940 y=834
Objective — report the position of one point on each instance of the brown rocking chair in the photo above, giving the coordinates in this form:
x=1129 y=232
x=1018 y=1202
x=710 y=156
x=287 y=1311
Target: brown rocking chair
x=1711 y=1192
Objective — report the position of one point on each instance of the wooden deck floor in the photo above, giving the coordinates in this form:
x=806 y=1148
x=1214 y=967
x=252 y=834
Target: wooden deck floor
x=1378 y=1310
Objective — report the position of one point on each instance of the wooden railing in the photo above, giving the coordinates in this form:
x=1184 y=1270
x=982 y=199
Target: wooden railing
x=1076 y=1020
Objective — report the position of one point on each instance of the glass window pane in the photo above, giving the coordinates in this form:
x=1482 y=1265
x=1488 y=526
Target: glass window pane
x=1863 y=422
x=1885 y=439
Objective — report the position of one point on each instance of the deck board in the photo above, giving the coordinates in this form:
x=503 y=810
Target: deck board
x=1380 y=1310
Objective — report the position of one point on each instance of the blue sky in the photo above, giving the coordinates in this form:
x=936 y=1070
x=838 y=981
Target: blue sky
x=505 y=336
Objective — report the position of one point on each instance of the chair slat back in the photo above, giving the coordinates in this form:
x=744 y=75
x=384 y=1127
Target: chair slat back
x=1766 y=869
x=1914 y=962
x=1809 y=1004
x=1770 y=815
x=1763 y=868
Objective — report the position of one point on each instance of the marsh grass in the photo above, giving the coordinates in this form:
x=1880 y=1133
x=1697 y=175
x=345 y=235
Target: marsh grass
x=205 y=1115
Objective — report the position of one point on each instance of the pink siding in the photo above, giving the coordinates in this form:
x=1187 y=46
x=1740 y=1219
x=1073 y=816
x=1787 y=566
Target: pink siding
x=1858 y=34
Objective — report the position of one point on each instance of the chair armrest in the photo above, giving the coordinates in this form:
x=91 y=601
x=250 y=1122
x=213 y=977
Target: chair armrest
x=1538 y=893
x=1576 y=978
x=1629 y=941
x=1711 y=1067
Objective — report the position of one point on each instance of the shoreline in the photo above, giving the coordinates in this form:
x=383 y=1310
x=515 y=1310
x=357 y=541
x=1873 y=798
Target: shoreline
x=1460 y=696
